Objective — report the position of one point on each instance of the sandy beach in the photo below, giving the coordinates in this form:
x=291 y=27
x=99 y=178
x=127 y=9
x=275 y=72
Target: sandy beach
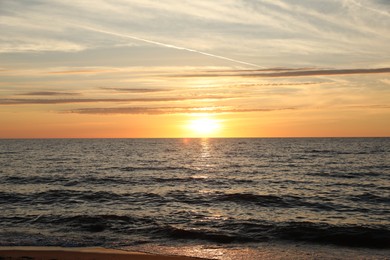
x=154 y=252
x=61 y=253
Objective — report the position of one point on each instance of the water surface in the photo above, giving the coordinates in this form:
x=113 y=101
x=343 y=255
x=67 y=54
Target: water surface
x=227 y=192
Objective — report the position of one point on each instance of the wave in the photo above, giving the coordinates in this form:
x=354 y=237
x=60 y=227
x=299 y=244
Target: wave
x=349 y=174
x=340 y=152
x=370 y=198
x=353 y=236
x=247 y=199
x=151 y=168
x=67 y=197
x=200 y=234
x=100 y=223
x=34 y=179
x=73 y=196
x=121 y=180
x=201 y=180
x=225 y=231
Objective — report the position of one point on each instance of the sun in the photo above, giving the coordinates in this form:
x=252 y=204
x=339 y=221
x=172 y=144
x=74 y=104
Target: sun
x=204 y=126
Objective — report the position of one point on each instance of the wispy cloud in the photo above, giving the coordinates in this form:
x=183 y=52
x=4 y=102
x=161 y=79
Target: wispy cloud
x=386 y=81
x=171 y=110
x=82 y=71
x=136 y=90
x=166 y=45
x=250 y=33
x=287 y=73
x=274 y=84
x=39 y=45
x=208 y=110
x=135 y=71
x=369 y=7
x=25 y=101
x=48 y=93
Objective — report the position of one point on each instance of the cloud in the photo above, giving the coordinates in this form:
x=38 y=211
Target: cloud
x=171 y=110
x=136 y=90
x=135 y=71
x=82 y=71
x=158 y=43
x=385 y=81
x=373 y=9
x=369 y=106
x=25 y=101
x=303 y=73
x=48 y=93
x=288 y=73
x=275 y=84
x=266 y=33
x=20 y=44
x=261 y=70
x=200 y=110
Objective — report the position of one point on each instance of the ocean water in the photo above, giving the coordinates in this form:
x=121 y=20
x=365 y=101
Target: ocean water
x=226 y=192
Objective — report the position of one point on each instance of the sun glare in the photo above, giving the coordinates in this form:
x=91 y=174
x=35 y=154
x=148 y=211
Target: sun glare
x=204 y=126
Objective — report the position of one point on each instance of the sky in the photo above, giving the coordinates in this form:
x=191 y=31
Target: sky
x=169 y=68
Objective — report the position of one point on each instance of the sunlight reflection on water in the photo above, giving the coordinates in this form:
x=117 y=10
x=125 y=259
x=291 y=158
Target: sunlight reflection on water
x=265 y=252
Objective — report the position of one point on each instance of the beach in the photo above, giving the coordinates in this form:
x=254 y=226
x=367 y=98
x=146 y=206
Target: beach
x=62 y=253
x=266 y=251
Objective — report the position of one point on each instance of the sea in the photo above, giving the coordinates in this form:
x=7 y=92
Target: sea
x=210 y=193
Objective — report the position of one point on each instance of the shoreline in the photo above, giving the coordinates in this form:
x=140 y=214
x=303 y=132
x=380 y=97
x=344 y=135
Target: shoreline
x=85 y=253
x=193 y=252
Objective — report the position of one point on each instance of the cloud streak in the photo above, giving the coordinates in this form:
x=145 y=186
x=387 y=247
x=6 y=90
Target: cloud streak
x=136 y=90
x=171 y=110
x=276 y=84
x=48 y=93
x=166 y=45
x=25 y=101
x=200 y=110
x=378 y=11
x=288 y=73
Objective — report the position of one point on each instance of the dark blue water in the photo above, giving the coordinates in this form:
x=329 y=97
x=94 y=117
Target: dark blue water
x=232 y=192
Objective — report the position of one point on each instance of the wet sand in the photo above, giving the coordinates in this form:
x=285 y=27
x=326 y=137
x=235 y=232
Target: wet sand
x=153 y=252
x=265 y=251
x=60 y=253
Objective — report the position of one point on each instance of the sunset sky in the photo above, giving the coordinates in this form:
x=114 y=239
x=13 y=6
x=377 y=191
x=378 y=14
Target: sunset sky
x=169 y=68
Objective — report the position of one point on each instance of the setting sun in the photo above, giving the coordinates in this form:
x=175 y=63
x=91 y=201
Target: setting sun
x=204 y=126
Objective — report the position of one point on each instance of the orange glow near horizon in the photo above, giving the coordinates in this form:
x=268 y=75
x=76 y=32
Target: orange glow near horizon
x=204 y=126
x=35 y=122
x=42 y=124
